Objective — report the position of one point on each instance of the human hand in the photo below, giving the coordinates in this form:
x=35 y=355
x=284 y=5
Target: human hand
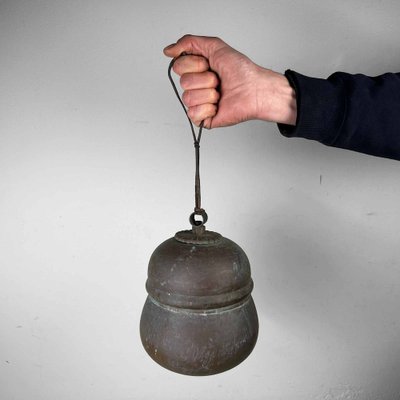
x=223 y=87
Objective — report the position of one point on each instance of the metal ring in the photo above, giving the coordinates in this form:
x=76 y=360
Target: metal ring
x=203 y=215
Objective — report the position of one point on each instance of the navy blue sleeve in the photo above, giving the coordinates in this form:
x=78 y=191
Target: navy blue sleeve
x=354 y=112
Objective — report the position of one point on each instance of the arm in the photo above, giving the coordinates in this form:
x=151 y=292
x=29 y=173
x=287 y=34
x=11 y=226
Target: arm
x=354 y=112
x=224 y=87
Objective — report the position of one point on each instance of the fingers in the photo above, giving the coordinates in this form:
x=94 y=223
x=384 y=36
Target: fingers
x=200 y=96
x=198 y=82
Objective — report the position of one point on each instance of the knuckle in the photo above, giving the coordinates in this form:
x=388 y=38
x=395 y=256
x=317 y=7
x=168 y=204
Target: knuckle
x=192 y=112
x=179 y=67
x=176 y=68
x=202 y=64
x=215 y=96
x=210 y=110
x=213 y=79
x=216 y=80
x=184 y=81
x=186 y=41
x=186 y=98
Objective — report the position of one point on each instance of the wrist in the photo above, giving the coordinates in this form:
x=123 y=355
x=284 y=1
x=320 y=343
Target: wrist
x=276 y=98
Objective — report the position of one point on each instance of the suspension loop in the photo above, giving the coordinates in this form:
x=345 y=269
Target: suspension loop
x=196 y=139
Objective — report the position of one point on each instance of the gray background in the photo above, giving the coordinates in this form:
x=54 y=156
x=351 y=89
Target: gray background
x=96 y=169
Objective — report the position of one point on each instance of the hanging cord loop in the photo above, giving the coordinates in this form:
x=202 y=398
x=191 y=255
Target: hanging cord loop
x=196 y=139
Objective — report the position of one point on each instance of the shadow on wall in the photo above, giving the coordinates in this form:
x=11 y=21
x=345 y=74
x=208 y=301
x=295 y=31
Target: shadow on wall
x=330 y=279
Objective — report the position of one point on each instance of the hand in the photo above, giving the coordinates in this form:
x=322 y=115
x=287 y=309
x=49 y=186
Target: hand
x=224 y=87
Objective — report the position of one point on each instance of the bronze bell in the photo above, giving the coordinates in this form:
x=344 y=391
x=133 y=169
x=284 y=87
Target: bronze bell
x=199 y=317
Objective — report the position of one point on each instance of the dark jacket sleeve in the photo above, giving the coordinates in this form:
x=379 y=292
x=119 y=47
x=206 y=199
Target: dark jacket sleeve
x=354 y=112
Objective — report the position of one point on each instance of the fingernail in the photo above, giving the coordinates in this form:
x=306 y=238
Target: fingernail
x=168 y=47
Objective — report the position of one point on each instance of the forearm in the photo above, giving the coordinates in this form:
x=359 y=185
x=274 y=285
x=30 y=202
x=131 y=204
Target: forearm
x=223 y=87
x=354 y=112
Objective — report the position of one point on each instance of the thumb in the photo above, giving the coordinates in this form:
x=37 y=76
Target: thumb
x=184 y=44
x=172 y=50
x=197 y=45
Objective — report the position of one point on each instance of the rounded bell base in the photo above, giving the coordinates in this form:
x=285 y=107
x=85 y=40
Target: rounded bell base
x=199 y=342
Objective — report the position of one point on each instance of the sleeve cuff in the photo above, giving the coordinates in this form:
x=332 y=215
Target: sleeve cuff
x=321 y=109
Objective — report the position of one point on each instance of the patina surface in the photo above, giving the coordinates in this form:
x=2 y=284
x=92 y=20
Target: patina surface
x=199 y=317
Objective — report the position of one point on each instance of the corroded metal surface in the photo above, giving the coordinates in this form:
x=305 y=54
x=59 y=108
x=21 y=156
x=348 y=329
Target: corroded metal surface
x=199 y=317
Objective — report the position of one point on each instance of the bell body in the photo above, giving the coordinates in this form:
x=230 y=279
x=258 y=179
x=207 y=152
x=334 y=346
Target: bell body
x=199 y=317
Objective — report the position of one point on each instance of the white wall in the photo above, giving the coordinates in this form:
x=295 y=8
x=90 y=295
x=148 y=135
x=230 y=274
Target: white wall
x=96 y=169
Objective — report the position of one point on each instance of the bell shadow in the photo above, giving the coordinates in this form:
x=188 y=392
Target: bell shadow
x=301 y=257
x=318 y=278
x=386 y=384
